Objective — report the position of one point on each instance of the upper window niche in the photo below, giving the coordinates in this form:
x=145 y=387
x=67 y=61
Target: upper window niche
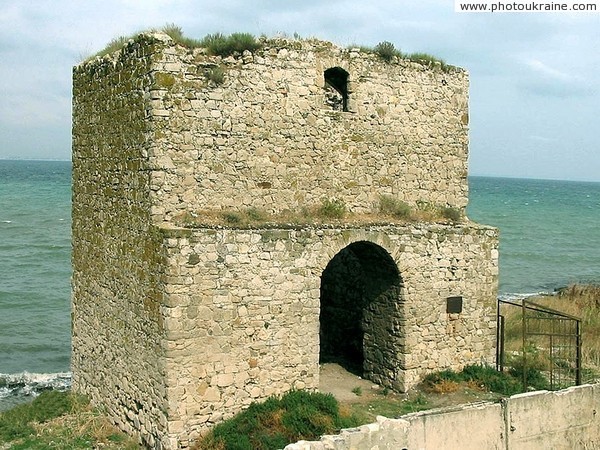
x=336 y=89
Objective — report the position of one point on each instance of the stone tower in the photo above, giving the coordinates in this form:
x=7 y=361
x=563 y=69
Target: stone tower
x=183 y=314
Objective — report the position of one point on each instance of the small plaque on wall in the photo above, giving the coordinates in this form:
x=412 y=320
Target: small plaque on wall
x=454 y=305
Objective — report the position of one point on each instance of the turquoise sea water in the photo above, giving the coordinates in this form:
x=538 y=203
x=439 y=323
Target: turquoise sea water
x=35 y=249
x=549 y=238
x=549 y=230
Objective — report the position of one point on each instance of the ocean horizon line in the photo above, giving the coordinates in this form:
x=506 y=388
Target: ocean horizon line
x=471 y=175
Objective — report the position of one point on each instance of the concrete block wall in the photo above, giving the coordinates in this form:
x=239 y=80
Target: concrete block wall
x=565 y=419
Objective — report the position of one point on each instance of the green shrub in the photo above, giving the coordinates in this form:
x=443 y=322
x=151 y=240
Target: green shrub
x=232 y=217
x=429 y=60
x=394 y=207
x=215 y=74
x=221 y=45
x=387 y=51
x=452 y=214
x=214 y=43
x=481 y=375
x=309 y=414
x=332 y=209
x=256 y=215
x=492 y=379
x=278 y=421
x=357 y=391
x=176 y=33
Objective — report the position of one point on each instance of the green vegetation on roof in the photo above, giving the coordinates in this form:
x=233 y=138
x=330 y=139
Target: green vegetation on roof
x=388 y=51
x=219 y=44
x=176 y=33
x=216 y=44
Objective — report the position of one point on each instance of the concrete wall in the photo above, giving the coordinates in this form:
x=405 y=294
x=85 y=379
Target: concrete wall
x=565 y=419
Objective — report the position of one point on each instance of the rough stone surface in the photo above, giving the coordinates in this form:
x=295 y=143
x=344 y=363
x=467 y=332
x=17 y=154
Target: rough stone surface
x=267 y=138
x=176 y=329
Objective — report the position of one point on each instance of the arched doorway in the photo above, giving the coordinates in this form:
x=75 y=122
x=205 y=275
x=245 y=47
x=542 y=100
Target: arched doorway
x=360 y=321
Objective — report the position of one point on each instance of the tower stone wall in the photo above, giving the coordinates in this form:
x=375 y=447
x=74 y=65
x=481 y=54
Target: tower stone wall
x=179 y=325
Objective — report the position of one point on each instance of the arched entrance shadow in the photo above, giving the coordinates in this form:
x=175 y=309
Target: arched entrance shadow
x=361 y=316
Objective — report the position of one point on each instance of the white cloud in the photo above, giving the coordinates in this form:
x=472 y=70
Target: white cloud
x=542 y=79
x=541 y=68
x=542 y=139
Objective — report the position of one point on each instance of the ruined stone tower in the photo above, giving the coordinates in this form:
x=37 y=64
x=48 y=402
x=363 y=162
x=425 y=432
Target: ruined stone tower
x=179 y=319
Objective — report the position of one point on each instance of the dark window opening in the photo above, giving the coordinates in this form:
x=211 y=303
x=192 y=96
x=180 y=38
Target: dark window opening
x=336 y=88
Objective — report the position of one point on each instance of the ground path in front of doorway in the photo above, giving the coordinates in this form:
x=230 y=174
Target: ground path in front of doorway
x=369 y=400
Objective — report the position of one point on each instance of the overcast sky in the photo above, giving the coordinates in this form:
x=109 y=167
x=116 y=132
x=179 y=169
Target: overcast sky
x=535 y=77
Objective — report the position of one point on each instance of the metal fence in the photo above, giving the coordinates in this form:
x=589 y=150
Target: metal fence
x=534 y=339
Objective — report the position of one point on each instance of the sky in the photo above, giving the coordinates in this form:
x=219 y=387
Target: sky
x=535 y=77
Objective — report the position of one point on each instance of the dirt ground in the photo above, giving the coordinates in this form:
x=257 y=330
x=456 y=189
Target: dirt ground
x=336 y=380
x=369 y=399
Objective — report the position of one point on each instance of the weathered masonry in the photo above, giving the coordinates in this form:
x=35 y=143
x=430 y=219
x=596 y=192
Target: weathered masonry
x=177 y=327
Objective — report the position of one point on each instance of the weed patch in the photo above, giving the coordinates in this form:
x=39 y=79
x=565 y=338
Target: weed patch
x=221 y=45
x=332 y=209
x=215 y=74
x=428 y=60
x=278 y=421
x=176 y=33
x=482 y=376
x=387 y=51
x=452 y=214
x=59 y=420
x=391 y=206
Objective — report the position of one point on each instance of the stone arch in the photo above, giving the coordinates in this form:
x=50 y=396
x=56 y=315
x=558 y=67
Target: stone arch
x=361 y=314
x=336 y=88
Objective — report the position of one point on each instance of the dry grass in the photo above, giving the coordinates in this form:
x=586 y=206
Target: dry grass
x=577 y=300
x=329 y=212
x=89 y=425
x=444 y=387
x=60 y=420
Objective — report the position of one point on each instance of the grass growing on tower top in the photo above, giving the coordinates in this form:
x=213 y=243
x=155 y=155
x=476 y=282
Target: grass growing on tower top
x=236 y=43
x=222 y=45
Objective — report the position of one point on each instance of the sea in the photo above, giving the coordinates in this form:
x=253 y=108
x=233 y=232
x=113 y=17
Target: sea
x=549 y=238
